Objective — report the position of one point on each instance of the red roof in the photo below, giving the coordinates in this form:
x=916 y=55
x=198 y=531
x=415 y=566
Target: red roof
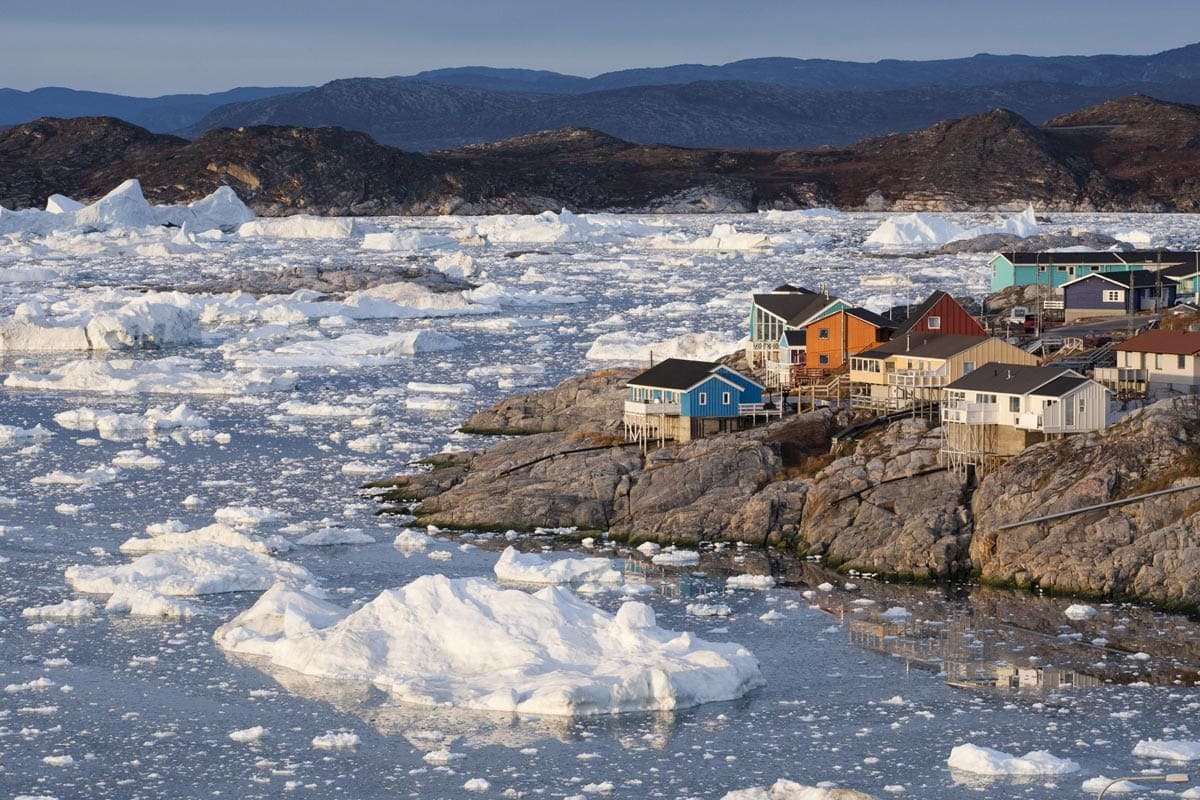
x=1178 y=343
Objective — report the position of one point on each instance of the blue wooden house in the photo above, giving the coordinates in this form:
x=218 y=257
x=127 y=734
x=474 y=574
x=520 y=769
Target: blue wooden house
x=682 y=400
x=1117 y=294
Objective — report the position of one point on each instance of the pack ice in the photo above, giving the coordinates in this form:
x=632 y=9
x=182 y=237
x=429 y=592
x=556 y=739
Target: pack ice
x=467 y=643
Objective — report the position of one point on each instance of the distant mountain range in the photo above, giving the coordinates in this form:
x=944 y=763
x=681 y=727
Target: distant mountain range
x=1134 y=153
x=758 y=103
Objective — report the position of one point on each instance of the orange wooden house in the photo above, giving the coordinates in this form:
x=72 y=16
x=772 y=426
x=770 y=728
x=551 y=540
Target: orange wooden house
x=825 y=346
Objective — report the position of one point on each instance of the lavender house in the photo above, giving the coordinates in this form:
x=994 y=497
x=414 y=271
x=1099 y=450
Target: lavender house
x=1117 y=294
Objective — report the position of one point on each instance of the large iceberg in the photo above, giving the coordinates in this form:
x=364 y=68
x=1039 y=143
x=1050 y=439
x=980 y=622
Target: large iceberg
x=301 y=226
x=467 y=643
x=926 y=229
x=123 y=207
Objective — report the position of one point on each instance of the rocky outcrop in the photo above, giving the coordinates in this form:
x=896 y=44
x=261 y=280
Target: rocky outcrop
x=1148 y=549
x=889 y=508
x=1141 y=155
x=584 y=403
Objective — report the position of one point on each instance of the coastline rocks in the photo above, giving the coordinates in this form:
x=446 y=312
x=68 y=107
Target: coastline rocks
x=592 y=402
x=888 y=508
x=1146 y=549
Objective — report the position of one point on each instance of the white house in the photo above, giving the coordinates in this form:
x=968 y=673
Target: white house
x=1156 y=361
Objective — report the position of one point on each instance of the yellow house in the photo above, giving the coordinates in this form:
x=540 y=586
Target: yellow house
x=912 y=369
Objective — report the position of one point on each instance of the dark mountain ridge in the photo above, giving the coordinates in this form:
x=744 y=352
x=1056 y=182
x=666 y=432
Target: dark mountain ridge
x=1135 y=153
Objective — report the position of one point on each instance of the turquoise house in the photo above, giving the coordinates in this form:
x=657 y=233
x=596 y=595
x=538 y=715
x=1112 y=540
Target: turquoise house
x=1053 y=269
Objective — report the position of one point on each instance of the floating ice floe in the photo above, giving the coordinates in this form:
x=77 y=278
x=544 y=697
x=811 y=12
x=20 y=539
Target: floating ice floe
x=926 y=229
x=1079 y=612
x=784 y=789
x=709 y=609
x=123 y=207
x=633 y=347
x=1102 y=782
x=986 y=761
x=247 y=516
x=116 y=323
x=117 y=427
x=407 y=241
x=143 y=603
x=467 y=643
x=216 y=533
x=301 y=226
x=517 y=567
x=752 y=582
x=67 y=609
x=348 y=350
x=561 y=228
x=245 y=735
x=208 y=569
x=1173 y=750
x=336 y=740
x=676 y=558
x=799 y=214
x=171 y=375
x=11 y=434
x=332 y=536
x=61 y=204
x=409 y=541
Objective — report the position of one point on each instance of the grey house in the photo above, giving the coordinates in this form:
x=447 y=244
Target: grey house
x=1117 y=294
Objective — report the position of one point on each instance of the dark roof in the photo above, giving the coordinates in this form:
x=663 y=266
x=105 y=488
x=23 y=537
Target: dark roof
x=795 y=338
x=1176 y=343
x=675 y=373
x=871 y=318
x=790 y=306
x=925 y=345
x=1180 y=270
x=1010 y=378
x=1134 y=279
x=787 y=287
x=1104 y=257
x=1060 y=387
x=920 y=311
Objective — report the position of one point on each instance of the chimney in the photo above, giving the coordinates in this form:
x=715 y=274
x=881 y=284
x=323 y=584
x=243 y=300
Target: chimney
x=907 y=342
x=1010 y=374
x=651 y=358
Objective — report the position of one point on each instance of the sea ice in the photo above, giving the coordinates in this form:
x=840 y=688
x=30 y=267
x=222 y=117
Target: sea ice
x=517 y=567
x=301 y=226
x=750 y=582
x=209 y=569
x=1174 y=750
x=468 y=643
x=986 y=761
x=784 y=789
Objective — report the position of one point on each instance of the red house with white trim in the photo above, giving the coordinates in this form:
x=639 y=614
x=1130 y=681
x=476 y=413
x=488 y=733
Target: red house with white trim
x=940 y=313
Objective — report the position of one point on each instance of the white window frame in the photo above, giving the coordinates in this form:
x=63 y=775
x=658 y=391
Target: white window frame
x=702 y=398
x=822 y=333
x=1113 y=296
x=934 y=323
x=726 y=398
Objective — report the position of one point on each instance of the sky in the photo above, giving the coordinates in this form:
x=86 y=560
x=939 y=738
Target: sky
x=150 y=47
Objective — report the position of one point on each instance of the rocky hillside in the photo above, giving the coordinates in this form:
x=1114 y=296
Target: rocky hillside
x=1136 y=153
x=884 y=507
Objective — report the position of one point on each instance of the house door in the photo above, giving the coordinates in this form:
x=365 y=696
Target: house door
x=1068 y=407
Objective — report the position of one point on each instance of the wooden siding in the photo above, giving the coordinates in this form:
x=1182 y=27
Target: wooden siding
x=750 y=392
x=712 y=389
x=953 y=318
x=847 y=336
x=989 y=351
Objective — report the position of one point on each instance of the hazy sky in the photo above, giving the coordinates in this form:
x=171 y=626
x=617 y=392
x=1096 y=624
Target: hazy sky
x=150 y=47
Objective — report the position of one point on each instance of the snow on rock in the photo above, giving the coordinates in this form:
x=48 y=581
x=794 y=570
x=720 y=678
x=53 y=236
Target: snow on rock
x=123 y=207
x=301 y=226
x=336 y=740
x=332 y=536
x=517 y=567
x=784 y=789
x=468 y=643
x=171 y=375
x=750 y=582
x=1079 y=612
x=407 y=241
x=633 y=347
x=67 y=609
x=142 y=603
x=1173 y=750
x=208 y=569
x=986 y=761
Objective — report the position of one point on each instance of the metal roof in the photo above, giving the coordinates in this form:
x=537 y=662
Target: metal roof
x=675 y=373
x=1133 y=279
x=795 y=338
x=1060 y=387
x=920 y=311
x=871 y=318
x=1012 y=378
x=792 y=305
x=925 y=345
x=1176 y=343
x=1052 y=258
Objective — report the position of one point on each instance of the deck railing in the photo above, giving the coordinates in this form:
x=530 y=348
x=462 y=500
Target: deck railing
x=636 y=407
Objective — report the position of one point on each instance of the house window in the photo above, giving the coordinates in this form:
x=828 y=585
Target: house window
x=1114 y=295
x=935 y=323
x=823 y=333
x=1014 y=405
x=1182 y=363
x=702 y=398
x=1158 y=360
x=986 y=398
x=725 y=398
x=968 y=366
x=823 y=359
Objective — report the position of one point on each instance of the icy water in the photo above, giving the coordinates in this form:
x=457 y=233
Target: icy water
x=110 y=706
